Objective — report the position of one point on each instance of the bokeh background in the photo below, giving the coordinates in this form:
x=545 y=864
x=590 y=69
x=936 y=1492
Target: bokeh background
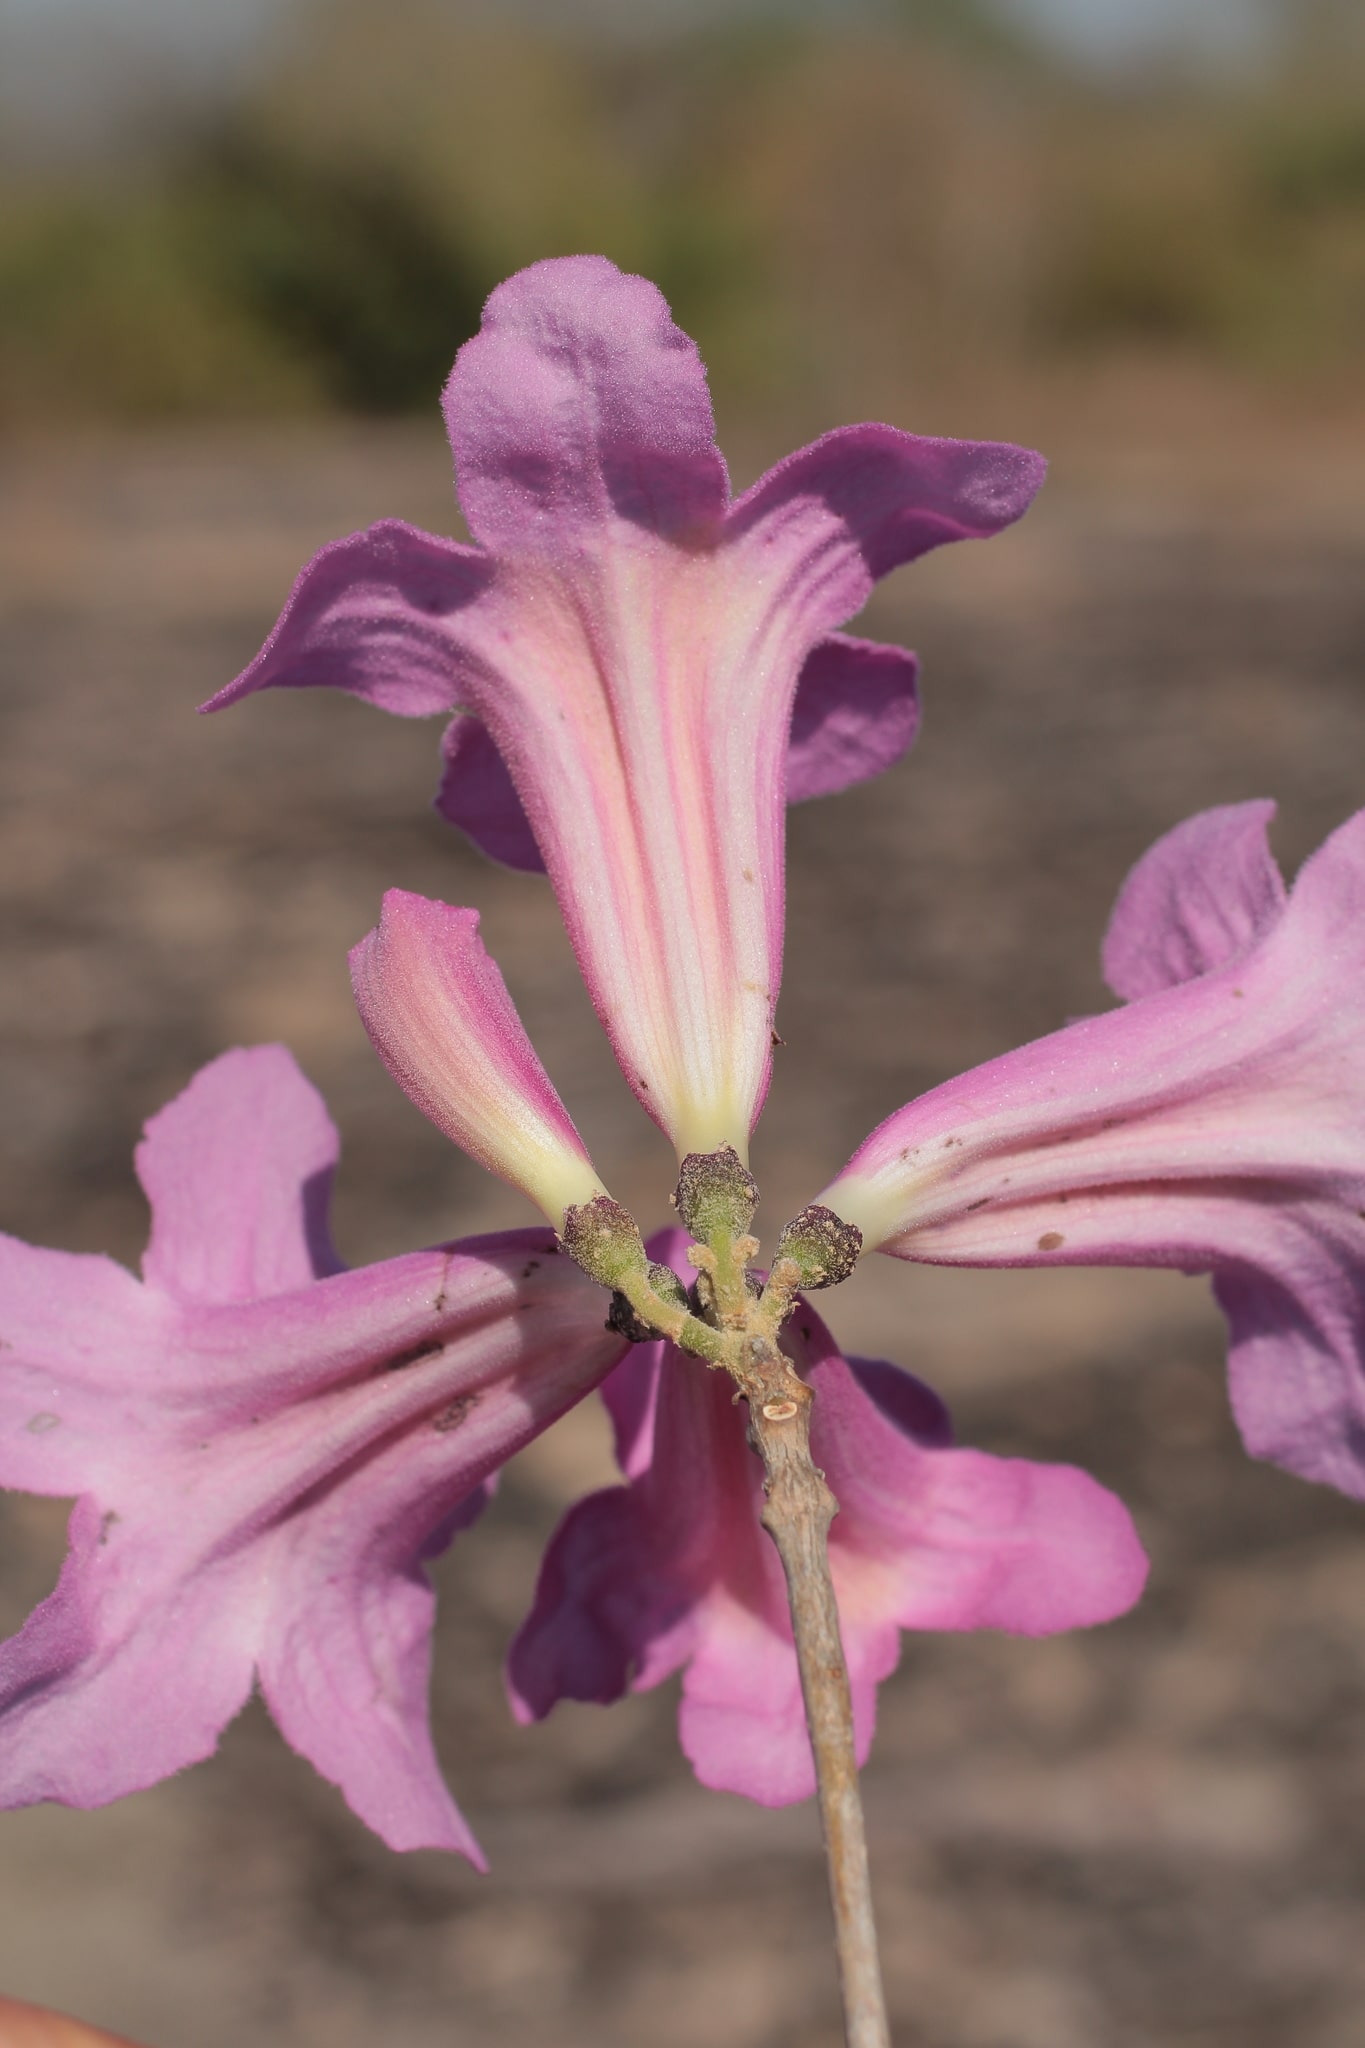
x=238 y=246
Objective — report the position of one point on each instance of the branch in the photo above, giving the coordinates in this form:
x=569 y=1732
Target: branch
x=798 y=1510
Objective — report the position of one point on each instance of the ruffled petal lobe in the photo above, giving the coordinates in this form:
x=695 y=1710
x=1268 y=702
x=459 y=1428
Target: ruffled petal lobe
x=578 y=403
x=1198 y=899
x=238 y=1172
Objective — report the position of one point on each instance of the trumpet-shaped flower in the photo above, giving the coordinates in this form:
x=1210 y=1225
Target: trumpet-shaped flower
x=267 y=1448
x=674 y=1569
x=643 y=669
x=1215 y=1123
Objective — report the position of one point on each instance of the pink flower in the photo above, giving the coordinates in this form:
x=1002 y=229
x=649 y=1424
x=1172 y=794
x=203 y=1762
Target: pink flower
x=654 y=666
x=1216 y=1124
x=267 y=1449
x=673 y=1570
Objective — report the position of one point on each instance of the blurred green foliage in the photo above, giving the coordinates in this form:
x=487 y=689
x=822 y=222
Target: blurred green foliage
x=344 y=270
x=894 y=199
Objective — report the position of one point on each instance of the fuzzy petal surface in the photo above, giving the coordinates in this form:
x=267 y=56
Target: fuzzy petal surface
x=1215 y=1124
x=439 y=1016
x=631 y=644
x=674 y=1570
x=1196 y=900
x=477 y=794
x=262 y=1477
x=578 y=404
x=855 y=714
x=238 y=1173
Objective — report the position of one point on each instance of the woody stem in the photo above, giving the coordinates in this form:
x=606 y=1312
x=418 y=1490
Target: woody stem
x=798 y=1510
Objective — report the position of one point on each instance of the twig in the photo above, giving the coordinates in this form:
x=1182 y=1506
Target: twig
x=798 y=1510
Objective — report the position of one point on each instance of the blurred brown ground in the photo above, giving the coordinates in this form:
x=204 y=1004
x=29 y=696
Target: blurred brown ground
x=1148 y=1834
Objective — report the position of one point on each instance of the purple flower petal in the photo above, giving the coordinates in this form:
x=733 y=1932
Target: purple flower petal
x=238 y=1171
x=80 y=1338
x=856 y=712
x=478 y=795
x=674 y=1569
x=1216 y=1124
x=377 y=614
x=1196 y=900
x=838 y=515
x=579 y=402
x=126 y=1673
x=263 y=1478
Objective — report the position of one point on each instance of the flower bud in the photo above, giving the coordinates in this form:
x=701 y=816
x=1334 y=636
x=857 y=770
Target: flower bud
x=821 y=1245
x=716 y=1193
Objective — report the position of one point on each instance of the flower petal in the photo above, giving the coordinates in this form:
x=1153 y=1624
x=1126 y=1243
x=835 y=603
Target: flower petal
x=1196 y=900
x=238 y=1170
x=969 y=1540
x=80 y=1340
x=441 y=1020
x=376 y=614
x=675 y=1569
x=856 y=712
x=346 y=1673
x=126 y=1673
x=1296 y=1343
x=833 y=518
x=1217 y=1124
x=479 y=796
x=345 y=1663
x=579 y=401
x=99 y=1369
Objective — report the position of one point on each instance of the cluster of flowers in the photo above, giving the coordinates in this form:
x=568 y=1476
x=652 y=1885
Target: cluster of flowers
x=268 y=1448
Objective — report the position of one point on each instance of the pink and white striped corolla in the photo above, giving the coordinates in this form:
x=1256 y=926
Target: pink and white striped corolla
x=644 y=670
x=1215 y=1123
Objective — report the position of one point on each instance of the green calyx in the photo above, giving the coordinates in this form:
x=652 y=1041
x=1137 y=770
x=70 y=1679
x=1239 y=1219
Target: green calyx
x=604 y=1239
x=716 y=1195
x=724 y=1319
x=822 y=1247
